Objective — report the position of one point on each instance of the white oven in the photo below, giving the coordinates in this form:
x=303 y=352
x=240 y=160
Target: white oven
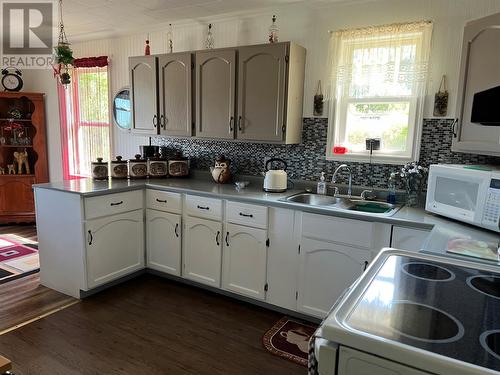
x=466 y=193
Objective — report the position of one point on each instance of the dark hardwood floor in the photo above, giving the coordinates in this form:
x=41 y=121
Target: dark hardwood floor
x=148 y=325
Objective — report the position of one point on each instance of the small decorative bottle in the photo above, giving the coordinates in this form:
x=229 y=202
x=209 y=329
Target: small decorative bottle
x=209 y=41
x=391 y=196
x=170 y=43
x=321 y=189
x=147 y=48
x=273 y=31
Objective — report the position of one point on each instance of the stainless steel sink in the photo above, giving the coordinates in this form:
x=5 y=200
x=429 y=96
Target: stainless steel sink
x=344 y=203
x=313 y=199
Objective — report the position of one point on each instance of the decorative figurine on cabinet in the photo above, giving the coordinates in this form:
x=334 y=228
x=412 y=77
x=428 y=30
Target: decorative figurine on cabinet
x=11 y=169
x=2 y=170
x=21 y=158
x=221 y=172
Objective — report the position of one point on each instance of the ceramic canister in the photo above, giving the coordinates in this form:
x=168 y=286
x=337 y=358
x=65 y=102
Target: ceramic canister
x=138 y=167
x=119 y=168
x=157 y=166
x=99 y=169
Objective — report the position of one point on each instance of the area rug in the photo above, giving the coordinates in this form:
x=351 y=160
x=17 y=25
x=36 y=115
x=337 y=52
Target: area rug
x=18 y=257
x=289 y=338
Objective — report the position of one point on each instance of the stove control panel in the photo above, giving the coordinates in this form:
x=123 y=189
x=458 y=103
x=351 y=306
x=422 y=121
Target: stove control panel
x=491 y=214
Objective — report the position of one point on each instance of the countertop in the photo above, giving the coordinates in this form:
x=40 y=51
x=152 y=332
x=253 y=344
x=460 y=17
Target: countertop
x=441 y=229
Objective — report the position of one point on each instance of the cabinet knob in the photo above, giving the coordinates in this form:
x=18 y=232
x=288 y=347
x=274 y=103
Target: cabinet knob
x=91 y=238
x=366 y=265
x=176 y=230
x=231 y=120
x=116 y=203
x=240 y=127
x=217 y=241
x=227 y=242
x=155 y=121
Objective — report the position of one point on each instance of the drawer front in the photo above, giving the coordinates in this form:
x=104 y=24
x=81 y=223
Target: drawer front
x=344 y=231
x=208 y=208
x=164 y=201
x=246 y=214
x=111 y=204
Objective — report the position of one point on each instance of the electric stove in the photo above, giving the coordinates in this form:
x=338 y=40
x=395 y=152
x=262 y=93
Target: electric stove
x=434 y=313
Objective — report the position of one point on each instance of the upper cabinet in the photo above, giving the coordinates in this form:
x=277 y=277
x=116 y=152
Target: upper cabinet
x=143 y=92
x=175 y=71
x=478 y=127
x=261 y=92
x=215 y=93
x=252 y=93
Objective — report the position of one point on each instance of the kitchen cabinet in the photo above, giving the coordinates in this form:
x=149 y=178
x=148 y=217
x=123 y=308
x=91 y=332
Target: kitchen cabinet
x=270 y=92
x=479 y=71
x=115 y=247
x=355 y=362
x=405 y=238
x=244 y=261
x=174 y=86
x=283 y=257
x=202 y=251
x=163 y=241
x=215 y=93
x=143 y=93
x=326 y=269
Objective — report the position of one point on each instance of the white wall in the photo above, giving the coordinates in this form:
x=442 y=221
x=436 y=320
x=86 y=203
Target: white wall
x=308 y=27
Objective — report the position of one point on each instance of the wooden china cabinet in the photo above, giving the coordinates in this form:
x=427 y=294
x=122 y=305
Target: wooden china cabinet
x=22 y=128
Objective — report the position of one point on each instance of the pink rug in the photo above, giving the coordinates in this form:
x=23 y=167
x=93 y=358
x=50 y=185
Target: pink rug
x=14 y=251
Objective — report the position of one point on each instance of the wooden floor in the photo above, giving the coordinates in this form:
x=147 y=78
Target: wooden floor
x=148 y=325
x=25 y=299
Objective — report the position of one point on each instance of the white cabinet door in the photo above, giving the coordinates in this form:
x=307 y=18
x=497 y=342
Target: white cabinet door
x=115 y=247
x=282 y=258
x=325 y=271
x=202 y=251
x=244 y=260
x=408 y=238
x=354 y=362
x=163 y=241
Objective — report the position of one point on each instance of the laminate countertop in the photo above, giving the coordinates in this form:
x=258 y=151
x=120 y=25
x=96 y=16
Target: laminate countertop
x=442 y=230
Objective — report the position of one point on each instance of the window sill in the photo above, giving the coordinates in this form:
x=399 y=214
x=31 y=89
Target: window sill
x=376 y=159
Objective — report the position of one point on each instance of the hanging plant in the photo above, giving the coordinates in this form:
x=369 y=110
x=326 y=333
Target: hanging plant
x=63 y=55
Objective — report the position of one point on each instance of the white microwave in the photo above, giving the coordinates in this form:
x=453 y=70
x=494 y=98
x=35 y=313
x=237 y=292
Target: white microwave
x=466 y=193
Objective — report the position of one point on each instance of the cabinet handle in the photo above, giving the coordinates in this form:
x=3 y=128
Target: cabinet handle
x=227 y=235
x=231 y=120
x=203 y=208
x=176 y=230
x=240 y=128
x=116 y=204
x=454 y=128
x=163 y=122
x=245 y=215
x=366 y=265
x=217 y=238
x=161 y=200
x=155 y=121
x=91 y=238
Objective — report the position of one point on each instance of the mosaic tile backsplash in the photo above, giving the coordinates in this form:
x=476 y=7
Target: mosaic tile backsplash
x=307 y=160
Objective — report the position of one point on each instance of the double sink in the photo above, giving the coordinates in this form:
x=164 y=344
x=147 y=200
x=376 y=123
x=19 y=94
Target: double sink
x=344 y=203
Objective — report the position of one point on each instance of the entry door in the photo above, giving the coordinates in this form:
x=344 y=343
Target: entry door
x=261 y=92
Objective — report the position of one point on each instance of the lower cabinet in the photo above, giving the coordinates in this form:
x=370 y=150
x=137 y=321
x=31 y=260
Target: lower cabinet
x=115 y=247
x=244 y=260
x=355 y=362
x=202 y=252
x=163 y=241
x=325 y=271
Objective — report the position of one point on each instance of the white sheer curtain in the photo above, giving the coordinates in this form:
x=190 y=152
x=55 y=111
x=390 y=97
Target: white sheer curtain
x=378 y=64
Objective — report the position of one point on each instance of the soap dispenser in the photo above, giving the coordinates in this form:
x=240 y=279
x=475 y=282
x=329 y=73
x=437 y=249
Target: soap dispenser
x=322 y=184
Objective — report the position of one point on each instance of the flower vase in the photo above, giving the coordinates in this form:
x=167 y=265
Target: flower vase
x=412 y=192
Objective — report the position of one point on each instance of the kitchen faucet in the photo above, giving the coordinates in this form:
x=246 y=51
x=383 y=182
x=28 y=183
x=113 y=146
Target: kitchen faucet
x=334 y=177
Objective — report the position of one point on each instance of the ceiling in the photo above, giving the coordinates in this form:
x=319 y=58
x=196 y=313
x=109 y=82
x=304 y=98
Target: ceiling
x=93 y=19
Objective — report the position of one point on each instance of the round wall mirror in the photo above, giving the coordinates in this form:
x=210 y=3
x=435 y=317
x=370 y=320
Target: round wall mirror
x=121 y=109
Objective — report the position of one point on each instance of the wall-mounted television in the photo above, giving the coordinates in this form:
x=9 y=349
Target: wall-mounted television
x=486 y=107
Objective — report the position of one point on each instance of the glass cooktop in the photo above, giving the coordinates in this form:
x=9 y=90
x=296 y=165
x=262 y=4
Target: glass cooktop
x=446 y=309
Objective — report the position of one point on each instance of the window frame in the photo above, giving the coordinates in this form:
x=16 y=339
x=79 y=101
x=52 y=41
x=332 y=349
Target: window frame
x=338 y=108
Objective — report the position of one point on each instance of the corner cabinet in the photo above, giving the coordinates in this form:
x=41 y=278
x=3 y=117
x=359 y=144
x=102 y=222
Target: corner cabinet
x=215 y=93
x=143 y=93
x=479 y=81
